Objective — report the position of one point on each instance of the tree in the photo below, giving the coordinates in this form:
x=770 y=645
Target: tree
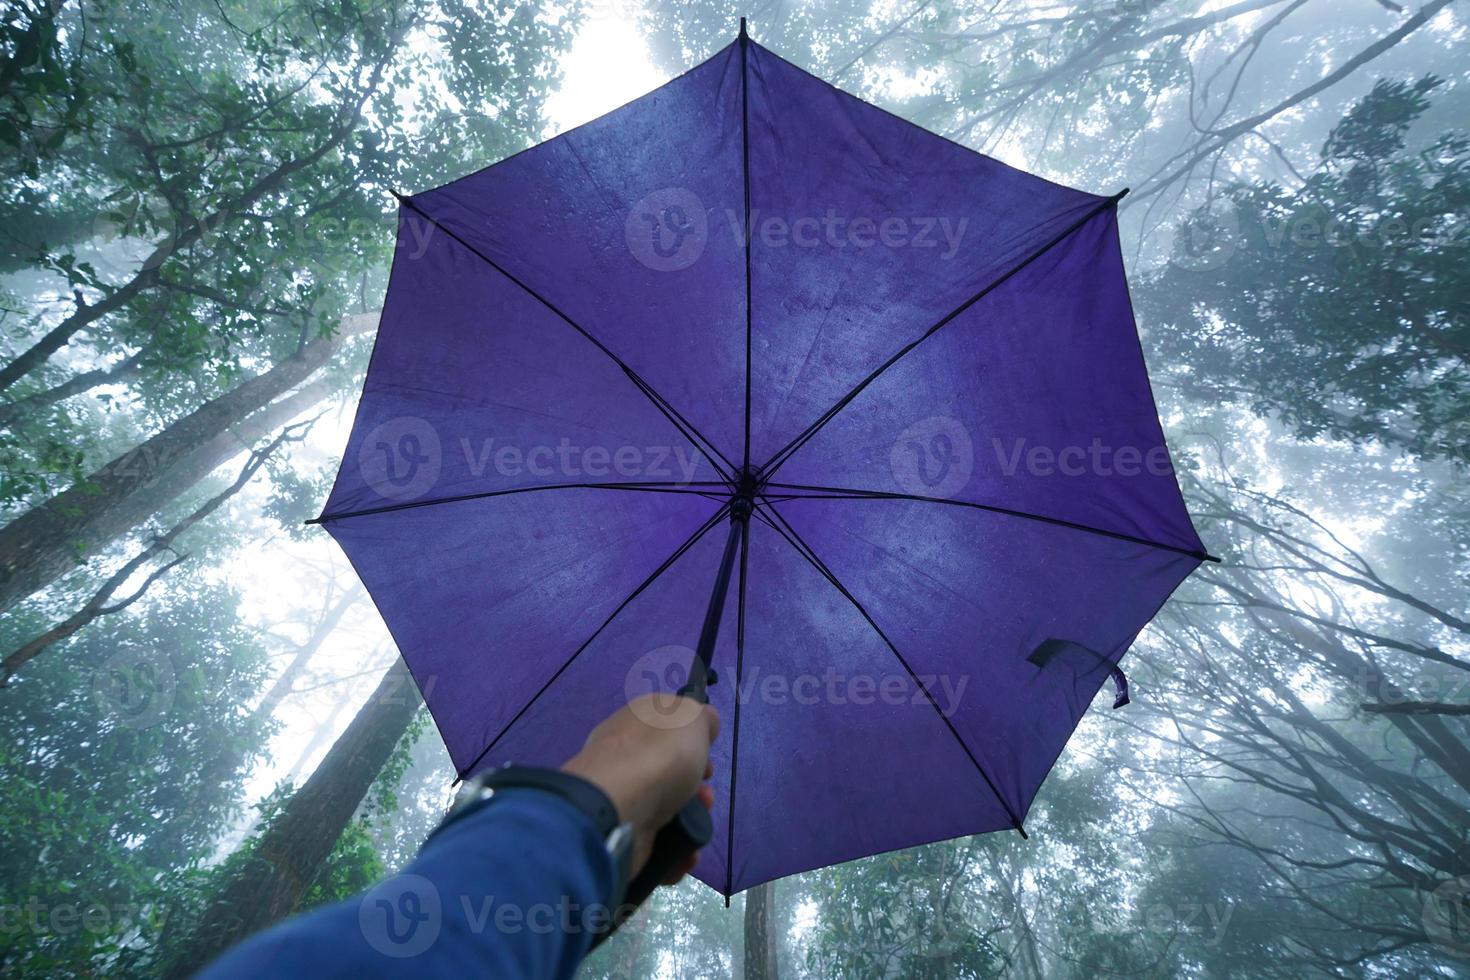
x=760 y=933
x=272 y=874
x=46 y=542
x=242 y=210
x=1350 y=820
x=1336 y=306
x=120 y=763
x=100 y=604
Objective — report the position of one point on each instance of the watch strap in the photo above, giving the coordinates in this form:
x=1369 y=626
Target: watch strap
x=579 y=792
x=482 y=790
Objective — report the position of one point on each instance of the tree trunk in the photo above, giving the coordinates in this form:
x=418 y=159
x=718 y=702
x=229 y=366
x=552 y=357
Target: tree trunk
x=760 y=932
x=636 y=930
x=75 y=385
x=290 y=851
x=49 y=540
x=98 y=605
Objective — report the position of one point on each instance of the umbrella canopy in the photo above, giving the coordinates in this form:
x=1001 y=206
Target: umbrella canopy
x=917 y=365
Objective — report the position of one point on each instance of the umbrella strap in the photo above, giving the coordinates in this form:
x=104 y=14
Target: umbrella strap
x=1120 y=686
x=1050 y=649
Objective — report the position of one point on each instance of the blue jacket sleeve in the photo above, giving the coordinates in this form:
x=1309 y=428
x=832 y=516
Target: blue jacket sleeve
x=502 y=892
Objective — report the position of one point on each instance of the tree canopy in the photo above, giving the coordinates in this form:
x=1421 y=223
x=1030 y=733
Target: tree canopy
x=202 y=713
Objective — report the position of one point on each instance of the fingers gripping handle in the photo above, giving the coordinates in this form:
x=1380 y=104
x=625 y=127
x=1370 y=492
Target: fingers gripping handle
x=689 y=830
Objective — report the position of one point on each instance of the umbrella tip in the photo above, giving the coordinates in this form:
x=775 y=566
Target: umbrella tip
x=402 y=198
x=743 y=35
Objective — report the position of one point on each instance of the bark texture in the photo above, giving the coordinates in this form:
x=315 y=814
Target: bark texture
x=290 y=852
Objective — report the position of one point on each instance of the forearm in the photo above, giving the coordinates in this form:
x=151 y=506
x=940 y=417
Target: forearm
x=502 y=892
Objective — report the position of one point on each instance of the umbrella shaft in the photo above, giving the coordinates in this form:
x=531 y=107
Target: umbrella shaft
x=699 y=669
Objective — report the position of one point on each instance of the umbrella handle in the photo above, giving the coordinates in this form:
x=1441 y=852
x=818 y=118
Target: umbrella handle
x=689 y=830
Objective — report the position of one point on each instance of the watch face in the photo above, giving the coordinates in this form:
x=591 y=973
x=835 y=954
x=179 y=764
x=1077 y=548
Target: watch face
x=470 y=791
x=620 y=848
x=620 y=841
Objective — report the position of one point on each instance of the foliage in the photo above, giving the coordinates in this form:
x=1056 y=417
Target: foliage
x=195 y=189
x=122 y=756
x=1337 y=306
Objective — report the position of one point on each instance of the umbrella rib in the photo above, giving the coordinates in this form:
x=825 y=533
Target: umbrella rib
x=735 y=728
x=845 y=493
x=786 y=451
x=685 y=427
x=672 y=414
x=805 y=550
x=653 y=577
x=411 y=504
x=745 y=146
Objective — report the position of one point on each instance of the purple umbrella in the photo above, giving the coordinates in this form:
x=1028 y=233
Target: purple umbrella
x=751 y=329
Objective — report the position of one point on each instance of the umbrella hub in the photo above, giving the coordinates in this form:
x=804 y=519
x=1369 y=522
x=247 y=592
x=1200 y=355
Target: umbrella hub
x=747 y=484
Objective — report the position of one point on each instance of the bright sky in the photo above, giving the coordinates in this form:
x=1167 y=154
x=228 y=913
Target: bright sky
x=607 y=66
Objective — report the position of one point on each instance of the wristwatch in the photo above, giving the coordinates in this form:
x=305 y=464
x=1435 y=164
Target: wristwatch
x=481 y=790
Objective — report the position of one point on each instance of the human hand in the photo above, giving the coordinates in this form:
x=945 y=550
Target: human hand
x=648 y=770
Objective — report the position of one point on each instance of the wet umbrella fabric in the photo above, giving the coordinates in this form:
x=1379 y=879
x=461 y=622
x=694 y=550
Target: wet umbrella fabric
x=966 y=511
